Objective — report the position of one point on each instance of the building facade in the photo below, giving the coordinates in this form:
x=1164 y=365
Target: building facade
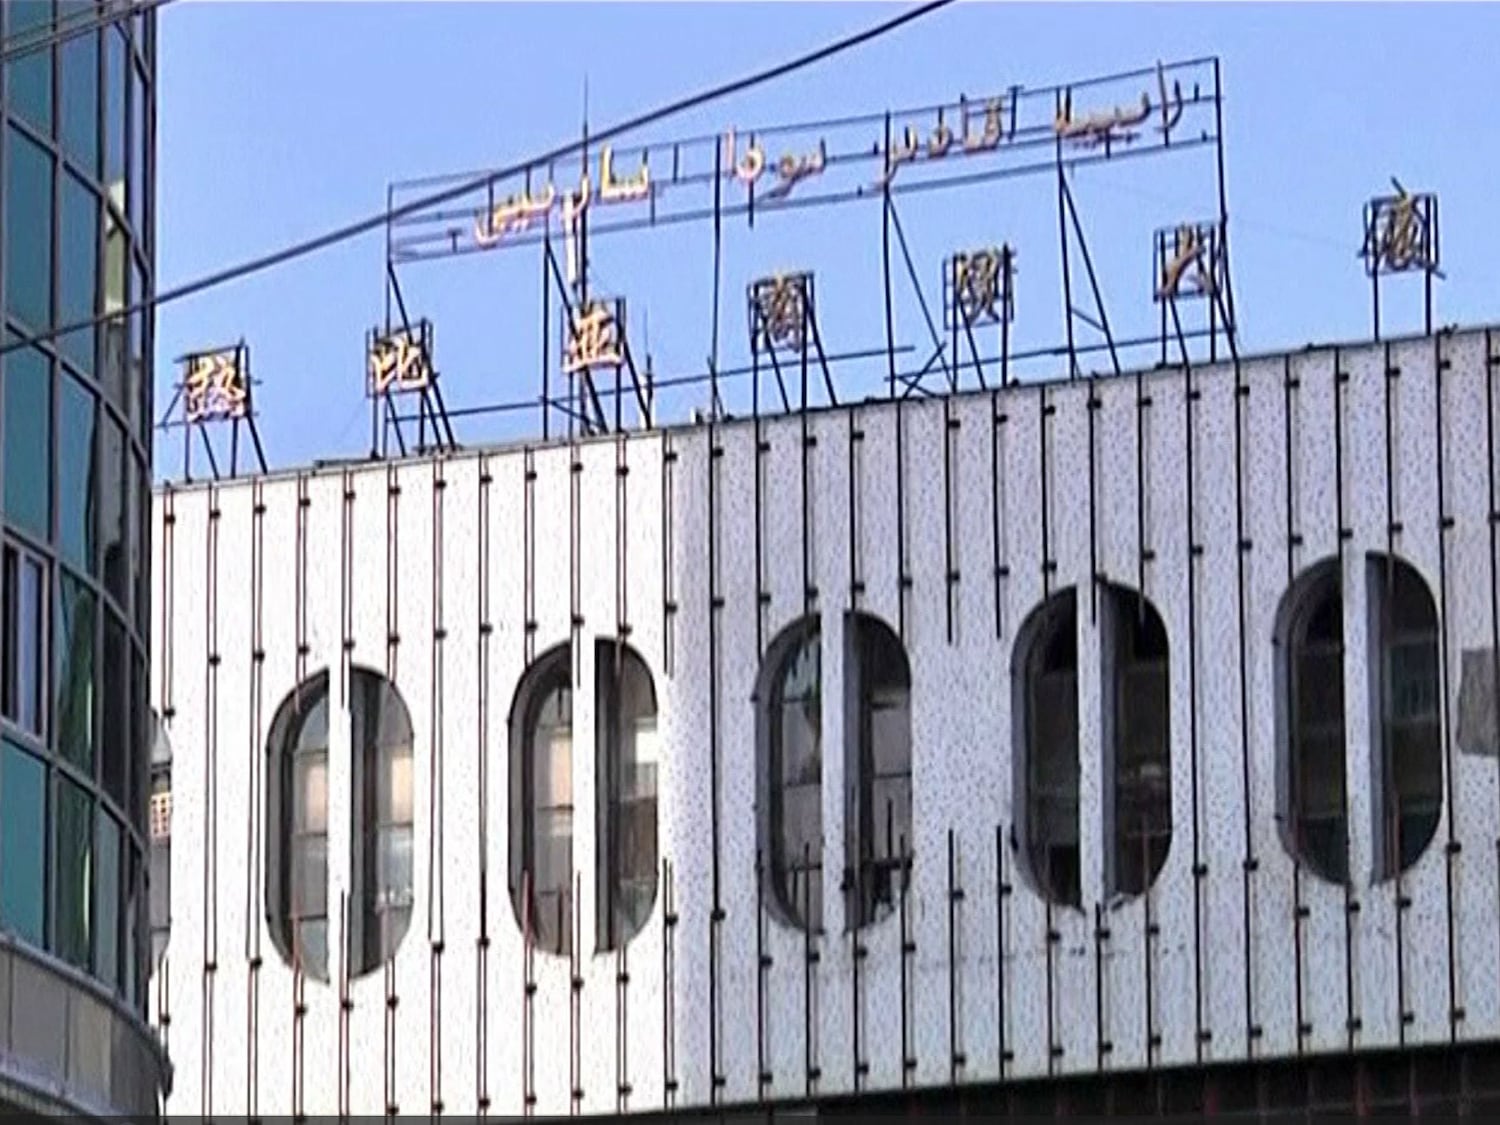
x=1094 y=736
x=76 y=191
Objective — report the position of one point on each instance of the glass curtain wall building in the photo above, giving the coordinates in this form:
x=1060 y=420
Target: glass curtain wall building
x=76 y=195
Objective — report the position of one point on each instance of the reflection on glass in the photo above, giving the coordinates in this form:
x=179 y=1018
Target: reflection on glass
x=28 y=418
x=143 y=731
x=107 y=900
x=78 y=269
x=73 y=647
x=797 y=781
x=137 y=156
x=112 y=362
x=114 y=469
x=133 y=931
x=29 y=75
x=114 y=109
x=75 y=472
x=115 y=729
x=22 y=644
x=626 y=742
x=28 y=231
x=23 y=819
x=138 y=378
x=73 y=851
x=142 y=541
x=80 y=100
x=552 y=818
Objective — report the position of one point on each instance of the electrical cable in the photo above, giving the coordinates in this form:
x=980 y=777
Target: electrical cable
x=59 y=34
x=375 y=222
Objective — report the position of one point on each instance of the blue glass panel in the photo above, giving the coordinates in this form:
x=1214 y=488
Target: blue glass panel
x=23 y=844
x=28 y=461
x=79 y=90
x=76 y=495
x=28 y=75
x=78 y=252
x=28 y=230
x=107 y=900
x=73 y=649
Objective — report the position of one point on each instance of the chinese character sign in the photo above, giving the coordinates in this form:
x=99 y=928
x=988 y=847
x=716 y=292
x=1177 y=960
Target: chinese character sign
x=1189 y=260
x=779 y=309
x=595 y=337
x=1400 y=233
x=401 y=361
x=215 y=386
x=979 y=287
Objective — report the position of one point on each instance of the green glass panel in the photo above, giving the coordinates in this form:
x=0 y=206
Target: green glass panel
x=28 y=230
x=28 y=461
x=73 y=645
x=72 y=847
x=76 y=494
x=23 y=844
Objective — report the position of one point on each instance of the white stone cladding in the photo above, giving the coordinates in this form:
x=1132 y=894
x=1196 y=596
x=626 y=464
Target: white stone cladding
x=1294 y=459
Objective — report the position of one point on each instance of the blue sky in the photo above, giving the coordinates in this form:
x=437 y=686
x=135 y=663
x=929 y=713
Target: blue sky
x=278 y=121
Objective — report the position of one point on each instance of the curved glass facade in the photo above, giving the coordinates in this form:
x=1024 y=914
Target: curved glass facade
x=77 y=109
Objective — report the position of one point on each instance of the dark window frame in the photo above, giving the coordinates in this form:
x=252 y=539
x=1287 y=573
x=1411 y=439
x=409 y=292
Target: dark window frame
x=1136 y=654
x=550 y=928
x=1404 y=624
x=1044 y=669
x=383 y=909
x=626 y=880
x=792 y=882
x=1313 y=744
x=877 y=677
x=28 y=716
x=298 y=946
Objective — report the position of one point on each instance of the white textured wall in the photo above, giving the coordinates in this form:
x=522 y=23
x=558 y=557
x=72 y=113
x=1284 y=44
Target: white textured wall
x=1213 y=964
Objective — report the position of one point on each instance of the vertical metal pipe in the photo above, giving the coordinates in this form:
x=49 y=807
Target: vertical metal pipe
x=210 y=798
x=762 y=968
x=255 y=842
x=1002 y=1013
x=998 y=572
x=956 y=1058
x=482 y=753
x=1191 y=398
x=546 y=390
x=715 y=403
x=1062 y=236
x=1452 y=847
x=712 y=460
x=950 y=525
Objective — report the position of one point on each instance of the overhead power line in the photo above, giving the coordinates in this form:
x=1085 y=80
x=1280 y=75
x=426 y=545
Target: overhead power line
x=380 y=219
x=44 y=36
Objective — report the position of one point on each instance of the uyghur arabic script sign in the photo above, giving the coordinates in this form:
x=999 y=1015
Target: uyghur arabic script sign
x=779 y=308
x=1400 y=233
x=1165 y=105
x=401 y=361
x=215 y=385
x=977 y=287
x=1189 y=261
x=595 y=336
